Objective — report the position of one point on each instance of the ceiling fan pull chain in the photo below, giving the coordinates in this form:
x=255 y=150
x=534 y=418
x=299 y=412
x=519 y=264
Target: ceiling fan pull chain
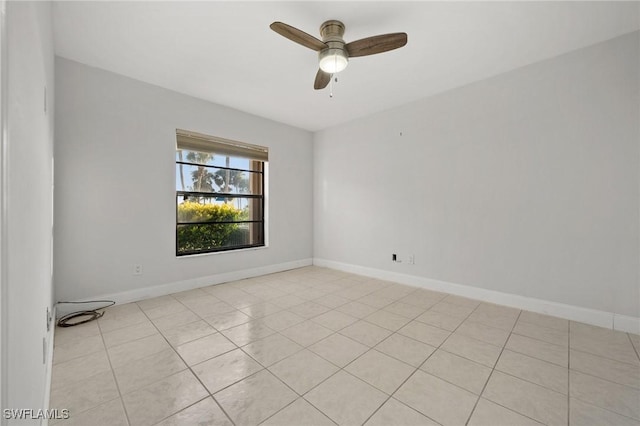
x=331 y=87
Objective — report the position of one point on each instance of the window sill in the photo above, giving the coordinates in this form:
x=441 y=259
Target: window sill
x=217 y=253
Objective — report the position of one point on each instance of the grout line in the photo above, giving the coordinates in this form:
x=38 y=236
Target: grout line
x=492 y=370
x=113 y=374
x=190 y=369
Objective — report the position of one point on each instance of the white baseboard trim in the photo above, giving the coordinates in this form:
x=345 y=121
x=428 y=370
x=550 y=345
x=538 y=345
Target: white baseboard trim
x=575 y=313
x=49 y=366
x=190 y=284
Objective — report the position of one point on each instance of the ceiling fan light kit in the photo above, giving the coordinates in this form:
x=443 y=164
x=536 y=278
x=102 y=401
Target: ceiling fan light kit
x=333 y=53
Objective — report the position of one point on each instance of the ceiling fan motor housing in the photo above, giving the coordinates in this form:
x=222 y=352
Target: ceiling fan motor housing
x=334 y=58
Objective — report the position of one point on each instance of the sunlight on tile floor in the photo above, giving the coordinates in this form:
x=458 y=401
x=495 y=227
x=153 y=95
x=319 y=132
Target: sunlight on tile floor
x=314 y=346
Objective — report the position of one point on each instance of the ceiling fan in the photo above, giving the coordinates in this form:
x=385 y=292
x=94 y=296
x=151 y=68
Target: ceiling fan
x=333 y=53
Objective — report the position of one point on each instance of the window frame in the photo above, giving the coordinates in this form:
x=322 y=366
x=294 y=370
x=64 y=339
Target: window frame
x=260 y=170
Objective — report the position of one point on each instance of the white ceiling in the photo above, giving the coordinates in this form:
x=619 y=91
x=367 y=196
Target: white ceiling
x=224 y=52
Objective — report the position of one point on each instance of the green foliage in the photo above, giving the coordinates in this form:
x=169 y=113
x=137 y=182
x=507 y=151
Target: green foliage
x=207 y=236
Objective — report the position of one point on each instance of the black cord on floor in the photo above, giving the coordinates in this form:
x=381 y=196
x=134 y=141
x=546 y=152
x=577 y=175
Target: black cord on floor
x=90 y=314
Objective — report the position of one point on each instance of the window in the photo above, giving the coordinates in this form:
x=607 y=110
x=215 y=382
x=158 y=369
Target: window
x=220 y=187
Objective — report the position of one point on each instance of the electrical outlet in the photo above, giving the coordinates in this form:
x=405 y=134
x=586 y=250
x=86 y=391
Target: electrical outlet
x=137 y=269
x=412 y=259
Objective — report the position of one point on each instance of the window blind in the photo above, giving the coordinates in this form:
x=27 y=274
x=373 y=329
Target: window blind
x=211 y=144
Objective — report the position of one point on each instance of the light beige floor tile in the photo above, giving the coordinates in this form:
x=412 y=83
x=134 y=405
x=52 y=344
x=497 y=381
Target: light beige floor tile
x=188 y=295
x=266 y=293
x=428 y=334
x=423 y=298
x=128 y=352
x=538 y=349
x=162 y=311
x=79 y=369
x=161 y=399
x=332 y=395
x=387 y=320
x=170 y=321
x=460 y=371
x=281 y=320
x=309 y=309
x=224 y=370
x=602 y=342
x=129 y=334
x=83 y=347
x=205 y=348
x=461 y=301
x=604 y=394
x=488 y=413
x=452 y=309
x=226 y=320
x=472 y=349
x=67 y=335
x=156 y=302
x=205 y=412
x=504 y=322
x=380 y=370
x=581 y=413
x=533 y=370
x=271 y=349
x=544 y=320
x=404 y=309
x=549 y=335
x=145 y=371
x=356 y=309
x=303 y=371
x=307 y=333
x=396 y=413
x=209 y=309
x=376 y=301
x=288 y=301
x=255 y=398
x=536 y=402
x=240 y=300
x=300 y=412
x=338 y=349
x=494 y=336
x=440 y=320
x=405 y=349
x=110 y=322
x=334 y=320
x=615 y=371
x=261 y=310
x=108 y=414
x=497 y=310
x=366 y=333
x=188 y=332
x=441 y=401
x=248 y=332
x=90 y=392
x=331 y=301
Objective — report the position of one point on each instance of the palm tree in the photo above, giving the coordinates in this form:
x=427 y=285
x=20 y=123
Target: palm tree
x=202 y=178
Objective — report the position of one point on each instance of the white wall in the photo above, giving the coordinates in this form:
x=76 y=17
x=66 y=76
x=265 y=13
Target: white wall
x=115 y=184
x=526 y=183
x=30 y=151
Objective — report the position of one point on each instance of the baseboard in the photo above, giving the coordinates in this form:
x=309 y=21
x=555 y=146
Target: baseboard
x=49 y=367
x=575 y=313
x=175 y=287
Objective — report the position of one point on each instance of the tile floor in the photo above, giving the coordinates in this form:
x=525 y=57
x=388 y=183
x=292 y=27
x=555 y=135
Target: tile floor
x=314 y=346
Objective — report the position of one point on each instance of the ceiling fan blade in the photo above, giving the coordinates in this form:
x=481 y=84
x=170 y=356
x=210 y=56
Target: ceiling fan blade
x=298 y=36
x=376 y=44
x=322 y=79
